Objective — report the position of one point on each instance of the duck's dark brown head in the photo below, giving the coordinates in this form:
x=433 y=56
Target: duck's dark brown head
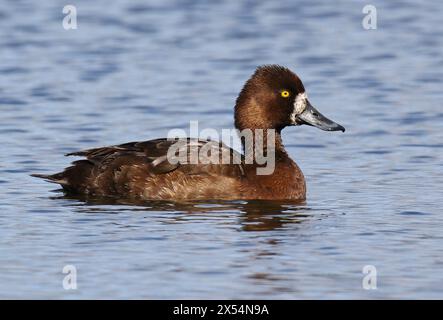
x=273 y=98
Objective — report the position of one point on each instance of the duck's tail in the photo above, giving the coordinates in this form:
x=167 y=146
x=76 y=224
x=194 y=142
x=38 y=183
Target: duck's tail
x=74 y=178
x=59 y=178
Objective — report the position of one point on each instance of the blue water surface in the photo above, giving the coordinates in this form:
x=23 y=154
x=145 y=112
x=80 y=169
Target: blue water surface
x=134 y=70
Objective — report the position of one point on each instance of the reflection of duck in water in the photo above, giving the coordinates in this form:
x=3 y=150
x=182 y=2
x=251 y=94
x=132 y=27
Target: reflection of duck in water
x=253 y=215
x=270 y=215
x=272 y=99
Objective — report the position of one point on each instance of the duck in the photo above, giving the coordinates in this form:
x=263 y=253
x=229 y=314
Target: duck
x=272 y=99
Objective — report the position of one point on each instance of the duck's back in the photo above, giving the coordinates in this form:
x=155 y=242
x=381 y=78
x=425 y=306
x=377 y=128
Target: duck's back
x=155 y=169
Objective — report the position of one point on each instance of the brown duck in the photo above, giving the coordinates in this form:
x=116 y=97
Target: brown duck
x=273 y=98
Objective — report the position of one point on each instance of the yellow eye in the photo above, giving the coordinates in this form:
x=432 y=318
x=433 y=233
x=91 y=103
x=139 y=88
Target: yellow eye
x=285 y=93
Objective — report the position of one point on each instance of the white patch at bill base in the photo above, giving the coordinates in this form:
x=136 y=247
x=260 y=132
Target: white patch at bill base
x=300 y=103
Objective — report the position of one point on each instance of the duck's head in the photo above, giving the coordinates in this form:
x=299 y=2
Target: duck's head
x=273 y=98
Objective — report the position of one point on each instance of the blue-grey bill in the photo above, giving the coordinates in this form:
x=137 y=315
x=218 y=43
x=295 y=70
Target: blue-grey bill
x=313 y=117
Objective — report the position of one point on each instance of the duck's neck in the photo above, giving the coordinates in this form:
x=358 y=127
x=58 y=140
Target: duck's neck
x=264 y=151
x=278 y=176
x=262 y=140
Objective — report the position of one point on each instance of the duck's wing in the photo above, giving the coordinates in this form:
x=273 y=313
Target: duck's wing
x=105 y=169
x=165 y=155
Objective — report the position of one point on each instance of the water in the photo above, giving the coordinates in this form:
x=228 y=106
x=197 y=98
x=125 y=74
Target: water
x=133 y=71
